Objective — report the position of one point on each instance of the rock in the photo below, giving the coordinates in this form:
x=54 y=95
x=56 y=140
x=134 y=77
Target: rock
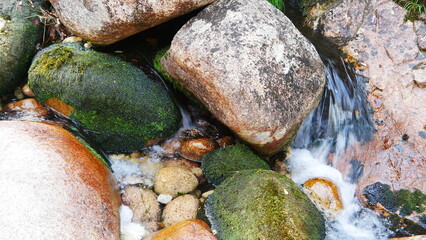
x=143 y=203
x=27 y=91
x=278 y=80
x=195 y=149
x=20 y=31
x=192 y=229
x=105 y=94
x=29 y=106
x=263 y=204
x=224 y=162
x=375 y=35
x=420 y=27
x=104 y=23
x=51 y=186
x=180 y=209
x=325 y=196
x=422 y=237
x=164 y=198
x=174 y=180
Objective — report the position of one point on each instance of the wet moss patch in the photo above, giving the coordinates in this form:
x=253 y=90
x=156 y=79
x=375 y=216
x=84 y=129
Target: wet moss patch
x=118 y=104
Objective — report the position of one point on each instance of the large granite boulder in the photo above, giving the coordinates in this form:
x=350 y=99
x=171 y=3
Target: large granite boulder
x=263 y=204
x=20 y=31
x=387 y=50
x=120 y=106
x=105 y=22
x=53 y=187
x=253 y=70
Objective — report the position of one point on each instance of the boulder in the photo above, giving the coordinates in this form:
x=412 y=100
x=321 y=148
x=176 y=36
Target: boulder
x=104 y=23
x=180 y=209
x=224 y=162
x=192 y=229
x=52 y=186
x=118 y=104
x=20 y=31
x=263 y=204
x=252 y=69
x=386 y=50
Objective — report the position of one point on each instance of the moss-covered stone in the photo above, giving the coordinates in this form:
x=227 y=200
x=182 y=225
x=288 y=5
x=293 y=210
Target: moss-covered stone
x=278 y=4
x=119 y=106
x=403 y=200
x=224 y=162
x=263 y=204
x=20 y=31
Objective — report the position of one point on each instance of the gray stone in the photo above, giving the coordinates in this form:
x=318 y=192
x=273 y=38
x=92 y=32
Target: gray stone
x=105 y=22
x=253 y=70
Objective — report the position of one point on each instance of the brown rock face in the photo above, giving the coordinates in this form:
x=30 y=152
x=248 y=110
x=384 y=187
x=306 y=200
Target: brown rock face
x=52 y=187
x=195 y=149
x=192 y=229
x=248 y=64
x=105 y=22
x=375 y=34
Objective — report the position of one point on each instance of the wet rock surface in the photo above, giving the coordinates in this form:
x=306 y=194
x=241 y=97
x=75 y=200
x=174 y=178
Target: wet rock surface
x=105 y=95
x=20 y=31
x=388 y=51
x=174 y=180
x=192 y=229
x=258 y=195
x=51 y=186
x=278 y=81
x=104 y=23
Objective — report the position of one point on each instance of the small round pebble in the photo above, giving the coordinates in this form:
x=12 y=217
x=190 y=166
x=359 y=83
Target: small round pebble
x=164 y=198
x=180 y=209
x=174 y=180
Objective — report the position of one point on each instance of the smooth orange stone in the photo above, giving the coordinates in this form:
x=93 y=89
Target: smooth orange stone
x=192 y=229
x=52 y=187
x=195 y=149
x=59 y=106
x=29 y=105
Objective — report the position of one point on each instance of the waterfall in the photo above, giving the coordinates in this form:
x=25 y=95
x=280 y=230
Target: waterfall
x=341 y=119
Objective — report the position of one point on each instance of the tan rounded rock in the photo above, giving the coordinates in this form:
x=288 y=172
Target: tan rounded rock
x=143 y=202
x=192 y=229
x=27 y=91
x=325 y=195
x=195 y=149
x=174 y=180
x=179 y=209
x=53 y=187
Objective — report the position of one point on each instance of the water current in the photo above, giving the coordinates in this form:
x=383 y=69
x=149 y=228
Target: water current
x=341 y=119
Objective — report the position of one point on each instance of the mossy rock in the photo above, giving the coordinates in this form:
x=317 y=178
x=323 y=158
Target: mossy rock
x=224 y=162
x=263 y=204
x=20 y=32
x=278 y=4
x=116 y=102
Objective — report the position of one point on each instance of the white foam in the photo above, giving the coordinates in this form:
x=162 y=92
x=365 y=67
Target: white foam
x=128 y=229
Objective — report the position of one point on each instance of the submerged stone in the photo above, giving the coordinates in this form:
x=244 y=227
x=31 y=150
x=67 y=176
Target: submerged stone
x=20 y=31
x=262 y=204
x=52 y=186
x=118 y=104
x=224 y=162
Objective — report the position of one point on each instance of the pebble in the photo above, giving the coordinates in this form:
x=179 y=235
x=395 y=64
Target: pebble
x=27 y=91
x=192 y=229
x=180 y=209
x=164 y=198
x=195 y=149
x=72 y=40
x=143 y=203
x=174 y=180
x=28 y=106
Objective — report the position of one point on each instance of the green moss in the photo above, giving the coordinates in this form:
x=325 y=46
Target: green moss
x=224 y=162
x=263 y=204
x=116 y=102
x=278 y=4
x=404 y=201
x=415 y=8
x=18 y=40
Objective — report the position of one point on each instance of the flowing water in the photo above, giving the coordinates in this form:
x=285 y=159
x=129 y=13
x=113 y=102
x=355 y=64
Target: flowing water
x=341 y=119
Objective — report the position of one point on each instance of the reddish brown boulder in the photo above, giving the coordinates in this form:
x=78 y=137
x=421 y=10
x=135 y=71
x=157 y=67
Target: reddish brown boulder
x=105 y=22
x=192 y=229
x=52 y=186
